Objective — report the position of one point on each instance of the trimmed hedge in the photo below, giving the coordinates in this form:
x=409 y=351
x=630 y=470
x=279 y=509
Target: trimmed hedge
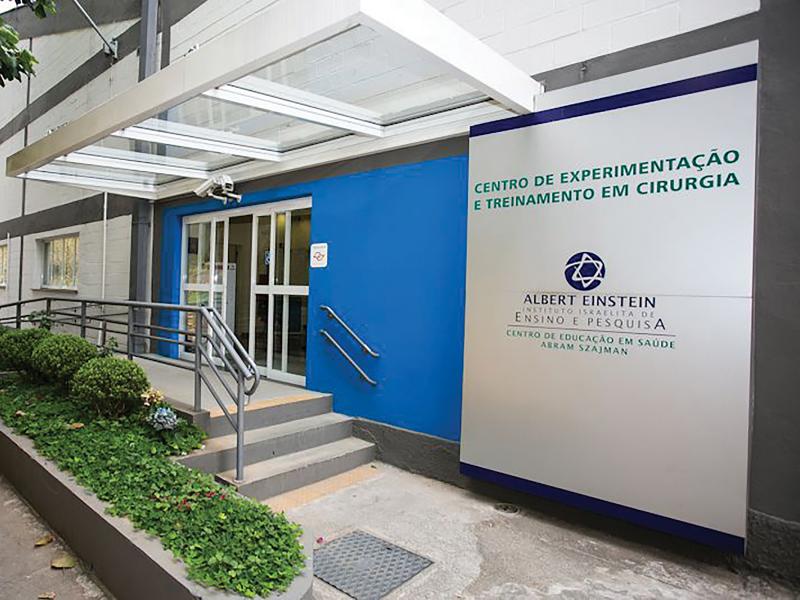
x=113 y=387
x=17 y=346
x=58 y=357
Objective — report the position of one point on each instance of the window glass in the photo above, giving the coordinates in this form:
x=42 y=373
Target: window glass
x=280 y=247
x=60 y=268
x=262 y=331
x=198 y=252
x=301 y=246
x=290 y=329
x=237 y=311
x=193 y=299
x=219 y=252
x=263 y=251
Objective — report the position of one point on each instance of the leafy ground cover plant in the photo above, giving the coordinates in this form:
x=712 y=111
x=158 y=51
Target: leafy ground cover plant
x=58 y=357
x=225 y=540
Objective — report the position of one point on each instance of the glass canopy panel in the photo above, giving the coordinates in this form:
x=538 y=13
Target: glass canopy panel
x=358 y=82
x=372 y=71
x=152 y=151
x=282 y=132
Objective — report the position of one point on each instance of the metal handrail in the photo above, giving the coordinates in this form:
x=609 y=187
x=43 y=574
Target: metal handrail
x=220 y=334
x=210 y=335
x=332 y=315
x=347 y=357
x=239 y=348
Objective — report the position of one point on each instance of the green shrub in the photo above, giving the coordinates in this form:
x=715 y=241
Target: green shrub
x=59 y=357
x=111 y=386
x=17 y=346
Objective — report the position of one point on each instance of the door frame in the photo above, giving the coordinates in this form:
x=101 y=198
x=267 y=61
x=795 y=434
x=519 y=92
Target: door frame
x=209 y=288
x=271 y=209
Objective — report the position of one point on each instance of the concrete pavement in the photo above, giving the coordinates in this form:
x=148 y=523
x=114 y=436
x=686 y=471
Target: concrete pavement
x=482 y=553
x=25 y=571
x=178 y=384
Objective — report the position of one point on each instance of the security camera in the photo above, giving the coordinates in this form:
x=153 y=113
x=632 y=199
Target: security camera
x=206 y=188
x=219 y=187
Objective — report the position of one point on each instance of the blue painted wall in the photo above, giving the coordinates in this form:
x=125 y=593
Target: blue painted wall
x=397 y=252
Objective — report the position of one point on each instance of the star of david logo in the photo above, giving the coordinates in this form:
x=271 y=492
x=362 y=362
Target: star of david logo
x=585 y=271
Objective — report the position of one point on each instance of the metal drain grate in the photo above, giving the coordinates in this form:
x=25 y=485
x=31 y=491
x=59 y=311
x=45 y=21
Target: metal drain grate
x=366 y=567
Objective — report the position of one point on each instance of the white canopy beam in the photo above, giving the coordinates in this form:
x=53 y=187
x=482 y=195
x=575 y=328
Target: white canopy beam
x=202 y=138
x=460 y=52
x=94 y=183
x=284 y=100
x=137 y=161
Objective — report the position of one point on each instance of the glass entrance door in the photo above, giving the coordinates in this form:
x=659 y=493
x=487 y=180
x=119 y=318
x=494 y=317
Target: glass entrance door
x=279 y=325
x=253 y=265
x=204 y=275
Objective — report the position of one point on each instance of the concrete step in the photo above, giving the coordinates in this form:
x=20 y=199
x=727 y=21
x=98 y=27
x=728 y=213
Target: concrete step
x=264 y=413
x=284 y=473
x=219 y=453
x=196 y=417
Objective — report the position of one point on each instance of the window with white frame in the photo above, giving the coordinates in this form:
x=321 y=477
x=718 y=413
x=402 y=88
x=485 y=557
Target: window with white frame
x=3 y=265
x=60 y=262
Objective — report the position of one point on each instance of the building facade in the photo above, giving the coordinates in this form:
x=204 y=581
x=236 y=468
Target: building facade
x=393 y=221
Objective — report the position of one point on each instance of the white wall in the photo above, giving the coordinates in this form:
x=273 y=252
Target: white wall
x=41 y=196
x=211 y=19
x=10 y=187
x=90 y=257
x=58 y=55
x=62 y=53
x=539 y=35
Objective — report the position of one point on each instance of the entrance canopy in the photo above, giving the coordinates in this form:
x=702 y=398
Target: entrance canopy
x=302 y=83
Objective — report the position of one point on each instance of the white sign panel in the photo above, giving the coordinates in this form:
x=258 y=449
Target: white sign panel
x=319 y=255
x=609 y=297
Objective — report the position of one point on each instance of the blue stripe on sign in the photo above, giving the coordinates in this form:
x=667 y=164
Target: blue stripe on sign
x=683 y=87
x=704 y=535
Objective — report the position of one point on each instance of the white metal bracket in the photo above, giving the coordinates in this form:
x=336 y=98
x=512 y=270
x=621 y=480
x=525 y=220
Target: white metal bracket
x=110 y=47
